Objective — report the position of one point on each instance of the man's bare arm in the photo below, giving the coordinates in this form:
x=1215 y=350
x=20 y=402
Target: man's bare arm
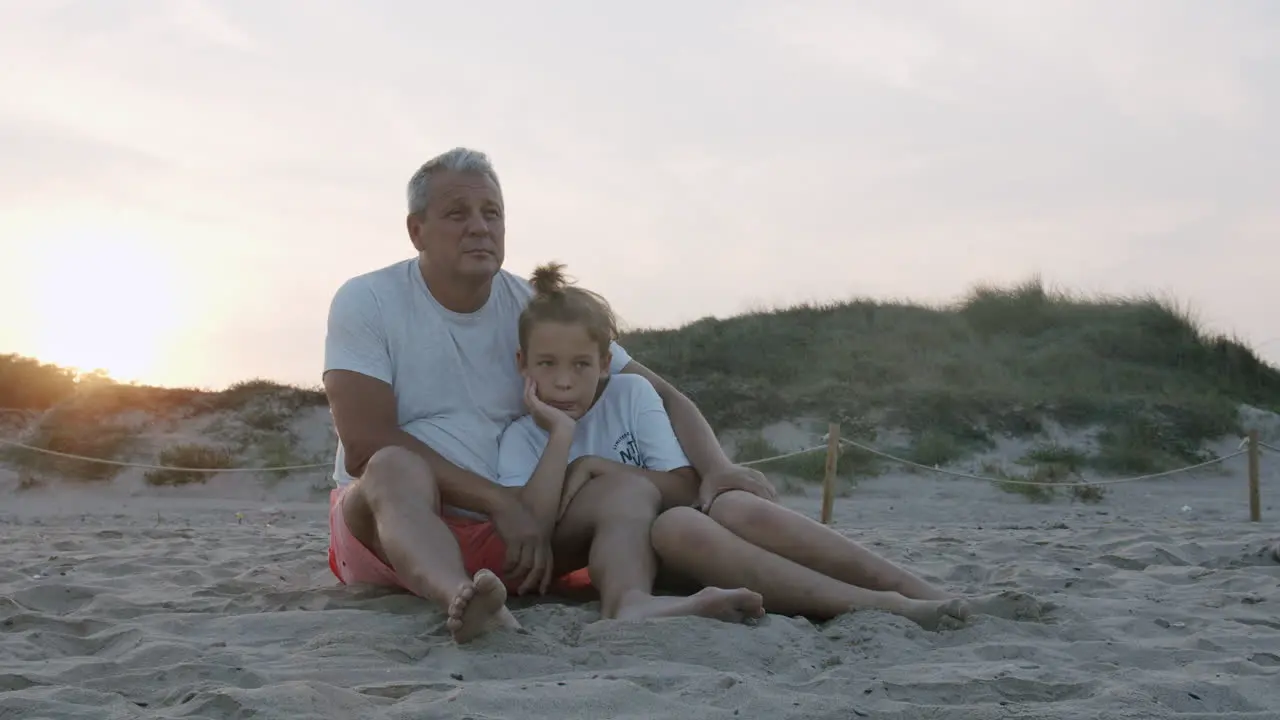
x=364 y=412
x=696 y=437
x=679 y=487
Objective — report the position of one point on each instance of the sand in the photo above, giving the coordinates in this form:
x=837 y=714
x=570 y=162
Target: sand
x=133 y=605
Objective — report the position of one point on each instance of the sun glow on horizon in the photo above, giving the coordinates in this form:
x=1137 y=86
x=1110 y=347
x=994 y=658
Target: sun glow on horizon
x=102 y=300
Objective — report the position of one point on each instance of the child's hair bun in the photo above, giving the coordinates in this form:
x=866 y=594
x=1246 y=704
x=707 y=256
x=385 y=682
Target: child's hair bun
x=548 y=279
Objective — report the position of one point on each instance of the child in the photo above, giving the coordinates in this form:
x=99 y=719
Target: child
x=583 y=423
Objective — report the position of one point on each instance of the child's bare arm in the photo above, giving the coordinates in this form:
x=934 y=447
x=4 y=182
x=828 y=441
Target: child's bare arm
x=542 y=494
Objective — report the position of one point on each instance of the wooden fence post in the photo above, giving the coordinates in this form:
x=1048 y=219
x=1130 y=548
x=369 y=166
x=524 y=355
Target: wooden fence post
x=829 y=478
x=1255 y=498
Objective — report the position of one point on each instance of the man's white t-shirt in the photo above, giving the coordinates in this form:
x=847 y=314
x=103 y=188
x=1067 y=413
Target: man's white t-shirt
x=627 y=424
x=455 y=377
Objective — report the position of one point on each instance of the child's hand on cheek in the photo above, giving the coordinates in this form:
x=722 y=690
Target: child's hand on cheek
x=547 y=417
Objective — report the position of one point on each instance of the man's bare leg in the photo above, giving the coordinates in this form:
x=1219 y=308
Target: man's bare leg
x=394 y=510
x=612 y=515
x=819 y=548
x=691 y=543
x=793 y=536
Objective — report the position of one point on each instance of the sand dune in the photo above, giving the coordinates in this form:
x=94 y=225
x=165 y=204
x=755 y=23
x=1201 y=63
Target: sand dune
x=175 y=607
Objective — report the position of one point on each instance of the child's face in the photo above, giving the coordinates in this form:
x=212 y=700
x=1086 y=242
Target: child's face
x=565 y=364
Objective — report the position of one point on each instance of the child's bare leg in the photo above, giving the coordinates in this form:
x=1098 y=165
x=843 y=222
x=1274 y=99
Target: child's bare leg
x=693 y=544
x=815 y=546
x=610 y=518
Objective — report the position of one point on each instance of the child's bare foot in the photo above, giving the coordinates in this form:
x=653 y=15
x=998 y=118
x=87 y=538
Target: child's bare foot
x=479 y=606
x=936 y=614
x=718 y=604
x=1010 y=605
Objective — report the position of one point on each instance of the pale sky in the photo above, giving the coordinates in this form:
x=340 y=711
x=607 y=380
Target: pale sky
x=184 y=183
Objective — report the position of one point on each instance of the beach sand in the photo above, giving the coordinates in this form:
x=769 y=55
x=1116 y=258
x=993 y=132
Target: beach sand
x=141 y=604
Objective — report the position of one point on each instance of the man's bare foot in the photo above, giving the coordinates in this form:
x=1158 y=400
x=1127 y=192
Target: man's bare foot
x=479 y=606
x=1010 y=605
x=936 y=614
x=728 y=605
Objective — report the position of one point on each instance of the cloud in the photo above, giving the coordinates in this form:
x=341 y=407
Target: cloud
x=748 y=153
x=873 y=42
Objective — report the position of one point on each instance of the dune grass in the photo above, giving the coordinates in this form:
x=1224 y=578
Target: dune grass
x=105 y=440
x=90 y=415
x=189 y=455
x=1002 y=361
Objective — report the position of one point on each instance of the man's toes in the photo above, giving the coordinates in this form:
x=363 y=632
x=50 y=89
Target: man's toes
x=486 y=582
x=458 y=604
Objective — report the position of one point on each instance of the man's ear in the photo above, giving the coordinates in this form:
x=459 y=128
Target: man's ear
x=411 y=223
x=607 y=360
x=520 y=361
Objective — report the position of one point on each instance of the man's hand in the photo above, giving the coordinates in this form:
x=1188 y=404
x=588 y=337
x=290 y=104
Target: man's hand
x=529 y=559
x=734 y=477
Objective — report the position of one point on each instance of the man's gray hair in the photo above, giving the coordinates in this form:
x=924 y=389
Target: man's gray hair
x=460 y=160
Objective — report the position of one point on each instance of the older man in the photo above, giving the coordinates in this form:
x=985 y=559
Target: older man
x=420 y=373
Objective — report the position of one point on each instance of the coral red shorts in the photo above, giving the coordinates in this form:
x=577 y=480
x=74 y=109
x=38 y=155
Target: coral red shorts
x=482 y=549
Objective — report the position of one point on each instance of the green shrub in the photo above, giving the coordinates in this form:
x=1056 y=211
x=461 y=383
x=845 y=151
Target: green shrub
x=189 y=456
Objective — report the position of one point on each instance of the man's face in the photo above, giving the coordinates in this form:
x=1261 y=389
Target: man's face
x=565 y=364
x=462 y=231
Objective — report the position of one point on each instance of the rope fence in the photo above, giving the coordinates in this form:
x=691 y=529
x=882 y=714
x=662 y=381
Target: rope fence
x=312 y=466
x=986 y=478
x=146 y=466
x=749 y=463
x=784 y=456
x=1250 y=446
x=1011 y=481
x=121 y=463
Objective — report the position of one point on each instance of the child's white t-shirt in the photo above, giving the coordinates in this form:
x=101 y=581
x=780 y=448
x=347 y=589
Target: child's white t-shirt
x=627 y=424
